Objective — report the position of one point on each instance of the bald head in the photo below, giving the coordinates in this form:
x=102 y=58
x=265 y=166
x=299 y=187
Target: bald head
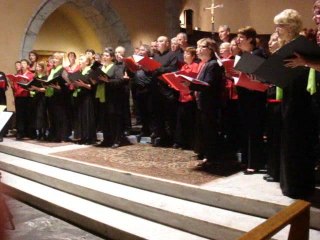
x=163 y=44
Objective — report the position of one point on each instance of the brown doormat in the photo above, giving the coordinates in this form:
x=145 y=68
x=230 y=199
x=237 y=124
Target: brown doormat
x=47 y=144
x=166 y=163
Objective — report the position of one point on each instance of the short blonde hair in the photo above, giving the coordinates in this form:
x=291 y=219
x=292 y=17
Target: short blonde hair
x=290 y=17
x=86 y=59
x=58 y=56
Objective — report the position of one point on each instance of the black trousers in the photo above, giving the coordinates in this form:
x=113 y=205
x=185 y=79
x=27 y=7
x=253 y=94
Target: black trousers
x=274 y=139
x=185 y=128
x=207 y=140
x=23 y=116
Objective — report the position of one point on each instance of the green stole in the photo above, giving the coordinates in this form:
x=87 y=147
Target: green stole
x=100 y=92
x=311 y=86
x=49 y=90
x=33 y=93
x=83 y=72
x=279 y=93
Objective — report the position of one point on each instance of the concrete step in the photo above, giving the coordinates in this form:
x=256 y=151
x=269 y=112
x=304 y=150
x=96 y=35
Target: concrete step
x=198 y=219
x=105 y=221
x=188 y=216
x=236 y=196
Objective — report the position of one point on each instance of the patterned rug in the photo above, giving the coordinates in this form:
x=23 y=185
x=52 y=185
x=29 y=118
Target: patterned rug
x=47 y=144
x=166 y=163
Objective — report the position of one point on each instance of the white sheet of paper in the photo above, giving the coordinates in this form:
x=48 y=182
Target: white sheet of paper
x=2 y=108
x=4 y=118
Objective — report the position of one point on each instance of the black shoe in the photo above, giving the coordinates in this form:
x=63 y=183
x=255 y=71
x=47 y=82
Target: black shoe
x=126 y=133
x=105 y=143
x=153 y=135
x=200 y=156
x=265 y=177
x=116 y=145
x=250 y=171
x=268 y=178
x=139 y=136
x=271 y=179
x=157 y=142
x=176 y=146
x=204 y=163
x=19 y=137
x=1 y=139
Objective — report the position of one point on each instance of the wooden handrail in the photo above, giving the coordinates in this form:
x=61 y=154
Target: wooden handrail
x=297 y=214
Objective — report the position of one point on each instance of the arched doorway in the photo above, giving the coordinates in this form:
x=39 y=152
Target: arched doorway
x=99 y=14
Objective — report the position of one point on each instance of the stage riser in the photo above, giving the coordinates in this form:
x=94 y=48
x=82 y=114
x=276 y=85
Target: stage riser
x=104 y=221
x=170 y=188
x=178 y=190
x=161 y=211
x=156 y=208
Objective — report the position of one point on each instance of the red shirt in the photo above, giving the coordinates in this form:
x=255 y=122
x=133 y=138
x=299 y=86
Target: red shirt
x=72 y=70
x=188 y=68
x=20 y=91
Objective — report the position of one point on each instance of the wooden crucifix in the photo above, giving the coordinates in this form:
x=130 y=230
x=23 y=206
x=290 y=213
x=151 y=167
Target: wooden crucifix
x=211 y=8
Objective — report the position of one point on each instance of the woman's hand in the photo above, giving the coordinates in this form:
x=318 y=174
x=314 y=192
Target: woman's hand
x=252 y=77
x=34 y=88
x=55 y=86
x=103 y=78
x=186 y=83
x=297 y=61
x=80 y=83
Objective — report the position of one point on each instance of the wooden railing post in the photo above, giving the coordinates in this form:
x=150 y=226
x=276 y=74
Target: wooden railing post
x=297 y=214
x=299 y=229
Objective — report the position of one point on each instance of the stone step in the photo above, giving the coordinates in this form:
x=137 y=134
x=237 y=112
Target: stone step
x=188 y=216
x=198 y=219
x=232 y=193
x=104 y=221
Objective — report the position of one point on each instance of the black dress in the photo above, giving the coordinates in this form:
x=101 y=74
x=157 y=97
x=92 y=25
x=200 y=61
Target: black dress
x=3 y=100
x=84 y=121
x=115 y=106
x=58 y=114
x=41 y=112
x=252 y=110
x=209 y=103
x=298 y=139
x=273 y=131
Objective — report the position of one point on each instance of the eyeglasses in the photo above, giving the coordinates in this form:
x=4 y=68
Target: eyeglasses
x=201 y=46
x=282 y=25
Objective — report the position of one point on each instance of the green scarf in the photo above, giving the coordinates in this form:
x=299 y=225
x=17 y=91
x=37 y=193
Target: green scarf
x=78 y=90
x=279 y=93
x=85 y=70
x=49 y=90
x=311 y=86
x=33 y=93
x=100 y=91
x=53 y=72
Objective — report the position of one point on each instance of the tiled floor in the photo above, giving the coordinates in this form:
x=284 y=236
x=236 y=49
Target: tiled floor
x=32 y=224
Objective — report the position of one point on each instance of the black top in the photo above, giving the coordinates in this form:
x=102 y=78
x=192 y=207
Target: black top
x=210 y=97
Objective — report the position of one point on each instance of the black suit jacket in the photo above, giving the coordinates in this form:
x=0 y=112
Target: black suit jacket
x=210 y=97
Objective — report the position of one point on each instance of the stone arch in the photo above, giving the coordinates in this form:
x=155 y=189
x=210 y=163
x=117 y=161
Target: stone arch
x=99 y=13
